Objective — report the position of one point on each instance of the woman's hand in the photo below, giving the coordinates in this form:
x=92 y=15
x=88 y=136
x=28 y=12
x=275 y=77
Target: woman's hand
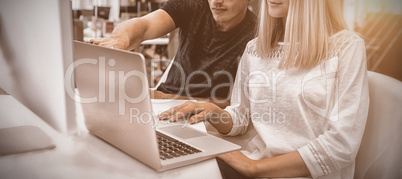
x=198 y=112
x=217 y=117
x=240 y=163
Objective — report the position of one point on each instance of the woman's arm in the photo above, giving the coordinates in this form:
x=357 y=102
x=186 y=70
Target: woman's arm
x=287 y=165
x=337 y=146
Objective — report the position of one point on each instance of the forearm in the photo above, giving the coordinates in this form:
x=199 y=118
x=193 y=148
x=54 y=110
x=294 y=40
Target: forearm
x=283 y=166
x=132 y=31
x=221 y=102
x=287 y=165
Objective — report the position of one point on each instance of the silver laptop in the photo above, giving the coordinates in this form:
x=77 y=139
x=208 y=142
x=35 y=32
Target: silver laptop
x=117 y=108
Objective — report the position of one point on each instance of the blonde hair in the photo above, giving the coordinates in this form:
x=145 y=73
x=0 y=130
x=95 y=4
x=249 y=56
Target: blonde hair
x=308 y=27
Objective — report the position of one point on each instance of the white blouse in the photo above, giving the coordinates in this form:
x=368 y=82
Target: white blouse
x=321 y=112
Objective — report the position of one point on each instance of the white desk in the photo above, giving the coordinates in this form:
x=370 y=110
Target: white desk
x=157 y=41
x=81 y=155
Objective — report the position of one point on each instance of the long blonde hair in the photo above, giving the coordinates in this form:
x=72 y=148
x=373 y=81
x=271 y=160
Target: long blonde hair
x=308 y=27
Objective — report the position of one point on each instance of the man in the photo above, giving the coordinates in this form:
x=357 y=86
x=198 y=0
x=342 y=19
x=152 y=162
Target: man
x=212 y=37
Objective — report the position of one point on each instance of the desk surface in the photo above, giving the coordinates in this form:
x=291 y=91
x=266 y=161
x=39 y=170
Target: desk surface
x=81 y=155
x=157 y=41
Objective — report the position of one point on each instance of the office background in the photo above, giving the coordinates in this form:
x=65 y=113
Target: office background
x=378 y=21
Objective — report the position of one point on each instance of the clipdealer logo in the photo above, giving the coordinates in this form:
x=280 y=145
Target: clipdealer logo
x=107 y=79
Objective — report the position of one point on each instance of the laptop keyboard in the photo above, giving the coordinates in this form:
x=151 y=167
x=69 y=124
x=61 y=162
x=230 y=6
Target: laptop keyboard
x=171 y=148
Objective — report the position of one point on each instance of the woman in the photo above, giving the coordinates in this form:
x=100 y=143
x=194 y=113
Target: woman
x=307 y=97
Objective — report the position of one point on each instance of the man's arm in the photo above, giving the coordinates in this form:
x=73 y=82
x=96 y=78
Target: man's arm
x=129 y=34
x=222 y=103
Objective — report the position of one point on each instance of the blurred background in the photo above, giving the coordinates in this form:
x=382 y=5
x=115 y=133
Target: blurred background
x=378 y=21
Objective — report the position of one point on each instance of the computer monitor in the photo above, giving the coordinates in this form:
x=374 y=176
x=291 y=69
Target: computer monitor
x=35 y=51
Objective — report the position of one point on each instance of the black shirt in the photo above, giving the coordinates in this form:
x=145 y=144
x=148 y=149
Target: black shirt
x=206 y=62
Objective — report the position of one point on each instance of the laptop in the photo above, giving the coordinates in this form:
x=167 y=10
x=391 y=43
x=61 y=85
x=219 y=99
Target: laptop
x=114 y=93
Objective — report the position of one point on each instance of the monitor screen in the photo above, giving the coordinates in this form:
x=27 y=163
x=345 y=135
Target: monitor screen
x=35 y=50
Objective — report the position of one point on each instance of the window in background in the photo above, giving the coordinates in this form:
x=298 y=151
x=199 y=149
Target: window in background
x=380 y=22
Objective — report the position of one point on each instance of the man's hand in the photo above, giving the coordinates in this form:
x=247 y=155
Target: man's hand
x=113 y=41
x=129 y=34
